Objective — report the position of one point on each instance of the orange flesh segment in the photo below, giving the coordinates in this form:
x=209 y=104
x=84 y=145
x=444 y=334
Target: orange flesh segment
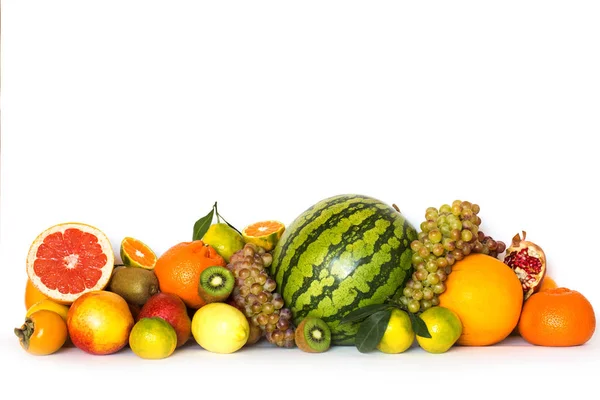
x=262 y=228
x=69 y=262
x=139 y=252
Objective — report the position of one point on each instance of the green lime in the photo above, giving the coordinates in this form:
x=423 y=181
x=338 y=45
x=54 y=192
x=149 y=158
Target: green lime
x=153 y=338
x=224 y=239
x=399 y=335
x=445 y=328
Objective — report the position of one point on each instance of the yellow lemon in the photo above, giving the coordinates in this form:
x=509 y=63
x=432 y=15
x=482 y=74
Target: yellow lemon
x=220 y=328
x=152 y=338
x=445 y=328
x=399 y=335
x=224 y=239
x=48 y=304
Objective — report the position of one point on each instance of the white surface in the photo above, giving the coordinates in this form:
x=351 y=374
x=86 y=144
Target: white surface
x=137 y=116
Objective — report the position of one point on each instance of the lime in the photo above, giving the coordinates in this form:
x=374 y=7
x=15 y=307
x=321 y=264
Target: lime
x=220 y=328
x=265 y=234
x=445 y=328
x=135 y=253
x=399 y=335
x=153 y=338
x=224 y=239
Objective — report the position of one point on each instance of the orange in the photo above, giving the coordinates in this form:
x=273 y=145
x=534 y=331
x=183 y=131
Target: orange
x=68 y=260
x=136 y=253
x=265 y=234
x=32 y=295
x=547 y=283
x=178 y=270
x=487 y=296
x=557 y=317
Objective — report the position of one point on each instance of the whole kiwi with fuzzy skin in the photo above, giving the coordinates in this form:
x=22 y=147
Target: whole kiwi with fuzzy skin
x=313 y=335
x=135 y=285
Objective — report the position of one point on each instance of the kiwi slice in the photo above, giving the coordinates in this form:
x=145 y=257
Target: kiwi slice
x=313 y=335
x=216 y=284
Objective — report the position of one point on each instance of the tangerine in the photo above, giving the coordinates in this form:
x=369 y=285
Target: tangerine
x=557 y=317
x=487 y=296
x=265 y=234
x=547 y=283
x=32 y=294
x=178 y=270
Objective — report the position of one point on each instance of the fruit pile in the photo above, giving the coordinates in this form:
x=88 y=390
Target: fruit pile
x=350 y=270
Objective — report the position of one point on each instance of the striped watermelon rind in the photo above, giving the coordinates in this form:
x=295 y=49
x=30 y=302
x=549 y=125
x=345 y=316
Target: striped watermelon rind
x=343 y=253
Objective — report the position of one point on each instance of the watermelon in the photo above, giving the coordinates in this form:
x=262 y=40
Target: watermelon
x=343 y=253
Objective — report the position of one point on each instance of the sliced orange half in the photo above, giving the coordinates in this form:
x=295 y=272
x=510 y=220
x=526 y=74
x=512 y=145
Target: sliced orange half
x=136 y=253
x=265 y=234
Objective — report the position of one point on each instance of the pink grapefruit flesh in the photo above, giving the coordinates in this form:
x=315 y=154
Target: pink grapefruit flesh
x=70 y=259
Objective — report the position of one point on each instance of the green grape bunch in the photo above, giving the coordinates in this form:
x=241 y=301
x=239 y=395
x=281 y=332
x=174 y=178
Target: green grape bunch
x=447 y=235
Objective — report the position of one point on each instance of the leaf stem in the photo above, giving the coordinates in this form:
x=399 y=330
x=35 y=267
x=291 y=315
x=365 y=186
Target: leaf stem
x=217 y=212
x=234 y=228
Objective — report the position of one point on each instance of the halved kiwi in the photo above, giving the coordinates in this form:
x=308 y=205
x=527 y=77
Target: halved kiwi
x=313 y=335
x=216 y=284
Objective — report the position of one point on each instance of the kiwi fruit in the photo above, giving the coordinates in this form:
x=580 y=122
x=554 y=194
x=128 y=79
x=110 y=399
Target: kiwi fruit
x=135 y=285
x=216 y=284
x=313 y=335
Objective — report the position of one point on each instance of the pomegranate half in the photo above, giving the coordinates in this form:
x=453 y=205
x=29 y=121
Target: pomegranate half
x=528 y=261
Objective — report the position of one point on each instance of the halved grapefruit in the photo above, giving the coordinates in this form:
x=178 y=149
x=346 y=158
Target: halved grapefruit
x=70 y=259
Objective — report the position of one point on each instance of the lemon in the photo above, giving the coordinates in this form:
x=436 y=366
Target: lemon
x=224 y=239
x=399 y=335
x=152 y=338
x=48 y=304
x=445 y=328
x=220 y=328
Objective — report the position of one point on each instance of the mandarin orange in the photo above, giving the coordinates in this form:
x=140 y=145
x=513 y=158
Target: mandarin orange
x=32 y=295
x=557 y=317
x=178 y=270
x=547 y=283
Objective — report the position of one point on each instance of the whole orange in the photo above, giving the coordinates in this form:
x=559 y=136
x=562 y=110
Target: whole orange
x=178 y=270
x=99 y=322
x=487 y=296
x=32 y=295
x=557 y=317
x=547 y=283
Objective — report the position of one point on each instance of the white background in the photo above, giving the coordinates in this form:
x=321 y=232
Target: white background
x=137 y=116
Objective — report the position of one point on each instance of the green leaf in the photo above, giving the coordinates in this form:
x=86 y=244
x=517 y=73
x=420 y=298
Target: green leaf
x=363 y=312
x=371 y=331
x=419 y=326
x=202 y=225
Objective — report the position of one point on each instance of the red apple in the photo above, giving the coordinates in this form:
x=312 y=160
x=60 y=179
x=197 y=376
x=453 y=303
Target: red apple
x=172 y=309
x=99 y=322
